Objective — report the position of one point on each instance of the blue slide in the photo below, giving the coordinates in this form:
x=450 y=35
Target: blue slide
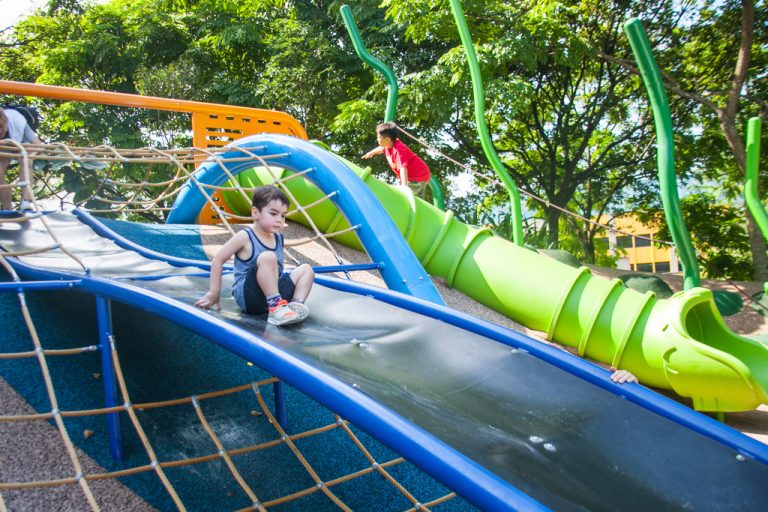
x=505 y=421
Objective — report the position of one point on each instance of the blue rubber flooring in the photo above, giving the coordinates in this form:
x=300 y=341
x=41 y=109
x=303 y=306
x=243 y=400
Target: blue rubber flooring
x=163 y=361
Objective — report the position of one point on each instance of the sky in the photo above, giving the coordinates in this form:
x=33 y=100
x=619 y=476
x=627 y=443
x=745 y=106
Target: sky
x=11 y=10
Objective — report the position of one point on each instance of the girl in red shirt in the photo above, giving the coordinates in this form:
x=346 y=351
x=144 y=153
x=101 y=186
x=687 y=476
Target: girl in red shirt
x=407 y=166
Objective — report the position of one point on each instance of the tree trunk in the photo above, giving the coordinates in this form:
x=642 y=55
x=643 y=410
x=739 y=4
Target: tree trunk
x=756 y=240
x=728 y=124
x=553 y=228
x=588 y=246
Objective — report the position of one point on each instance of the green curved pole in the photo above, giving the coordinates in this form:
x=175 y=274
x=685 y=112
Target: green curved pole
x=649 y=71
x=482 y=128
x=362 y=52
x=438 y=197
x=751 y=194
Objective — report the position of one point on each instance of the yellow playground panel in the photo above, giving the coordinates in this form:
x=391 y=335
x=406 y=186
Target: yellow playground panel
x=213 y=125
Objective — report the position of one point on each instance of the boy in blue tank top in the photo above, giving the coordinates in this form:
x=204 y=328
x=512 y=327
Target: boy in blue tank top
x=261 y=285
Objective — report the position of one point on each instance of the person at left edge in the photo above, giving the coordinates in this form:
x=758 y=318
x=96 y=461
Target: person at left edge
x=14 y=126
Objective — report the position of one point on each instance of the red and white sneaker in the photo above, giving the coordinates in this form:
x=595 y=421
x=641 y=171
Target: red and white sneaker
x=283 y=315
x=300 y=309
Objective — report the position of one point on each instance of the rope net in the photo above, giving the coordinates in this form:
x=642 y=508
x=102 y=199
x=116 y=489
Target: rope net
x=490 y=178
x=245 y=465
x=150 y=179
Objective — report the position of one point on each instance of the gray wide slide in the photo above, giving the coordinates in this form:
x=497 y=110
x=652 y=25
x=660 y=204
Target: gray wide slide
x=565 y=442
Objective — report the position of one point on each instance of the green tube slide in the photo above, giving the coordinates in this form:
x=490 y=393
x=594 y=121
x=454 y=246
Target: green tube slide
x=680 y=343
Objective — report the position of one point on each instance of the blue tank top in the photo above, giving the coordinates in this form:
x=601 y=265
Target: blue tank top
x=244 y=267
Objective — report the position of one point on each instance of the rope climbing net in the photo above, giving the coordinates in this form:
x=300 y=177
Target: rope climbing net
x=135 y=192
x=491 y=179
x=122 y=196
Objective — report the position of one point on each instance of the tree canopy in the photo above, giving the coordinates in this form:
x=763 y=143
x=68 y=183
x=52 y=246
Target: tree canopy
x=564 y=103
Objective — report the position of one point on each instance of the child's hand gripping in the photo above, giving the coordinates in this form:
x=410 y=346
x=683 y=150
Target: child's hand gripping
x=209 y=300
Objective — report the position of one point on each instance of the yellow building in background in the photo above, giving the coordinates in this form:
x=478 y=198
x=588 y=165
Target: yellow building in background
x=635 y=248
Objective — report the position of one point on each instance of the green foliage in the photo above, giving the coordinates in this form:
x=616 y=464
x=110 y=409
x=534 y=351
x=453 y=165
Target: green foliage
x=718 y=234
x=728 y=303
x=569 y=120
x=562 y=256
x=258 y=53
x=647 y=283
x=703 y=62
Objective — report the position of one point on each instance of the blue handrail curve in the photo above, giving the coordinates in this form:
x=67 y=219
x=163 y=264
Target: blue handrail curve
x=400 y=268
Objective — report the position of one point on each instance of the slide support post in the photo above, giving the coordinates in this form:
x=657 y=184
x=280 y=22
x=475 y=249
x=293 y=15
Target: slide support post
x=106 y=339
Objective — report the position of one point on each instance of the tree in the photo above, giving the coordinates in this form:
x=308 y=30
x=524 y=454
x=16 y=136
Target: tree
x=567 y=113
x=717 y=65
x=258 y=53
x=718 y=233
x=565 y=122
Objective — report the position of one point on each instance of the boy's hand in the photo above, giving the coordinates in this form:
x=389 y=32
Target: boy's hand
x=209 y=300
x=368 y=155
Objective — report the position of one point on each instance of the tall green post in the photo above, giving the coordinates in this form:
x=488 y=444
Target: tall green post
x=482 y=127
x=751 y=194
x=438 y=197
x=654 y=85
x=362 y=52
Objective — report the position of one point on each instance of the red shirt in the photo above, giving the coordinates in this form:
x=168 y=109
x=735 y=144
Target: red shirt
x=400 y=156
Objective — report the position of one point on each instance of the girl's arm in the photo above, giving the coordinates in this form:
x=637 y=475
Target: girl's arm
x=375 y=151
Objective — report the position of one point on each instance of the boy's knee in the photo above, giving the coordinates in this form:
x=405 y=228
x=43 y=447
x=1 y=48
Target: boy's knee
x=308 y=270
x=267 y=258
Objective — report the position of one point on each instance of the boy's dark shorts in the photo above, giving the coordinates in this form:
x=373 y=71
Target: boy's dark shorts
x=256 y=301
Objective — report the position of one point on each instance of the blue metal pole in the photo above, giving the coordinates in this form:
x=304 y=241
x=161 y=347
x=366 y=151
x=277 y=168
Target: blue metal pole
x=104 y=314
x=281 y=411
x=327 y=269
x=18 y=286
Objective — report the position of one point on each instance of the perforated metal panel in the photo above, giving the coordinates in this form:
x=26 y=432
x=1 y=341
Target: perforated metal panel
x=216 y=130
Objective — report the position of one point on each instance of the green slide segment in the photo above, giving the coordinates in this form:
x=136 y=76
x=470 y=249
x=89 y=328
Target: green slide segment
x=680 y=343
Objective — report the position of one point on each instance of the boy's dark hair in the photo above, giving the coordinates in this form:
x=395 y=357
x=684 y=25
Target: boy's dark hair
x=387 y=130
x=262 y=196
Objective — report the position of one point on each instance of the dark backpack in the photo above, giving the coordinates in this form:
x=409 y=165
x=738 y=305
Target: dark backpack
x=30 y=114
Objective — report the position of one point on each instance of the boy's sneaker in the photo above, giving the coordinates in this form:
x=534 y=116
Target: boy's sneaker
x=300 y=309
x=283 y=315
x=26 y=206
